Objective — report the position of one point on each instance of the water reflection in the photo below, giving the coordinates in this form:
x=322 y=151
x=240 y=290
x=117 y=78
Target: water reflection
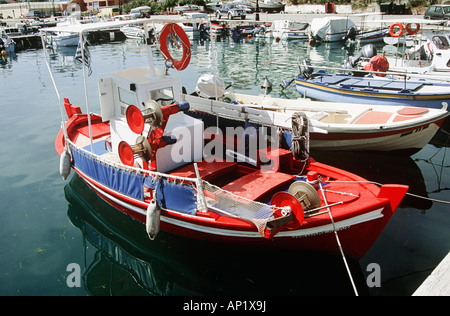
x=127 y=263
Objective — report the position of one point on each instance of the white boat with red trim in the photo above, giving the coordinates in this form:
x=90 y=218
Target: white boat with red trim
x=146 y=156
x=333 y=125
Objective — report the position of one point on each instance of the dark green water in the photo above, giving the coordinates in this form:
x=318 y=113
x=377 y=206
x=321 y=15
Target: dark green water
x=47 y=223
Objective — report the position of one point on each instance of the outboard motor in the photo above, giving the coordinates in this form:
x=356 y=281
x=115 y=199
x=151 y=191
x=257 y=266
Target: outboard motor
x=305 y=69
x=351 y=34
x=367 y=51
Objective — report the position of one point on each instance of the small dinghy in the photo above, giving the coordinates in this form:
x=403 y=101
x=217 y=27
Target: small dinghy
x=372 y=89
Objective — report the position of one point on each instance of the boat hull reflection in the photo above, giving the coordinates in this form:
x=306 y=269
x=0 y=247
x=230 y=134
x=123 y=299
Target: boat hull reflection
x=128 y=263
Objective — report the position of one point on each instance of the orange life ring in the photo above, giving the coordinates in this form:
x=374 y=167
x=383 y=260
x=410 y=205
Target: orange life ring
x=178 y=30
x=396 y=34
x=412 y=31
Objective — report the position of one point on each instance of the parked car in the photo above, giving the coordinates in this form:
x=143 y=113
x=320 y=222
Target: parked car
x=438 y=12
x=231 y=11
x=140 y=12
x=33 y=14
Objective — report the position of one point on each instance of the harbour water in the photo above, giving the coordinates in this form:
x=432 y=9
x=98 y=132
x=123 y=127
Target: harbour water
x=49 y=227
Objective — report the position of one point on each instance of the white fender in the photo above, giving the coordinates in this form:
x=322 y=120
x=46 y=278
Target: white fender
x=64 y=163
x=153 y=219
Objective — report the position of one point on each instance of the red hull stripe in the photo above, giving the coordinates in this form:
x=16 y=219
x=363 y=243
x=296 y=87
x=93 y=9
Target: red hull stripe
x=139 y=212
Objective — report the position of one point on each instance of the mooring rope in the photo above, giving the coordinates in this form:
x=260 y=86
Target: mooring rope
x=339 y=243
x=380 y=184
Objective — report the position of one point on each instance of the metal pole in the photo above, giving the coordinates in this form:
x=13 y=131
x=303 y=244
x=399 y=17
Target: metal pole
x=257 y=11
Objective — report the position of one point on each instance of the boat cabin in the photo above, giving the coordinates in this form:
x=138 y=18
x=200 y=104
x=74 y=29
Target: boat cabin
x=137 y=87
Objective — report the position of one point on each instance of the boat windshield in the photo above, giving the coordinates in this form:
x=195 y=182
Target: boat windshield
x=441 y=42
x=163 y=96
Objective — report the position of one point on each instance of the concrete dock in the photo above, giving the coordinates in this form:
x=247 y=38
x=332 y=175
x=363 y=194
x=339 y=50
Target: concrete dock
x=438 y=283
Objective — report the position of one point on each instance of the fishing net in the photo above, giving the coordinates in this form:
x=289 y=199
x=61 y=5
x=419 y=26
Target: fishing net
x=230 y=204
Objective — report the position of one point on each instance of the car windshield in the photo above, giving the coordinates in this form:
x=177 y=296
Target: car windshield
x=446 y=10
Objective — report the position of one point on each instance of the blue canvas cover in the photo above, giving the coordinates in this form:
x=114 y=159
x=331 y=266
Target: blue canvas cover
x=123 y=181
x=174 y=195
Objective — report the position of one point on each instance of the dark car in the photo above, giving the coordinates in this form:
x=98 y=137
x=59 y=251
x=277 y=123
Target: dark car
x=231 y=11
x=33 y=14
x=438 y=12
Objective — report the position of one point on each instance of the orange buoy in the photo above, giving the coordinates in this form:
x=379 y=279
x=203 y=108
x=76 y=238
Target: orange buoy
x=396 y=34
x=412 y=30
x=186 y=44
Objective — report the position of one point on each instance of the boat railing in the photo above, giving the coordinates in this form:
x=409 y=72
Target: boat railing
x=242 y=111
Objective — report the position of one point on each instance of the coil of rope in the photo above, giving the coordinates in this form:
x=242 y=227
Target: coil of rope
x=300 y=136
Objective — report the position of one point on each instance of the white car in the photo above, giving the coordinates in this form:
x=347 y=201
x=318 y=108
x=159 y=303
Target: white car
x=231 y=11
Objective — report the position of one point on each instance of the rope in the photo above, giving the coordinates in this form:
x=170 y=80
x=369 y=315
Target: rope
x=339 y=243
x=299 y=144
x=408 y=193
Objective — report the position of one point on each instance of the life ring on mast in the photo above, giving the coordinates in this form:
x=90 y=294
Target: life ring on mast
x=178 y=30
x=412 y=30
x=396 y=34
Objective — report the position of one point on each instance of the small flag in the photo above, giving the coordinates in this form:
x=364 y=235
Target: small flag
x=87 y=56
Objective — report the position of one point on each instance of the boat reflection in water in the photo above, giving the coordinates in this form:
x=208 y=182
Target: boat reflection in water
x=442 y=136
x=126 y=262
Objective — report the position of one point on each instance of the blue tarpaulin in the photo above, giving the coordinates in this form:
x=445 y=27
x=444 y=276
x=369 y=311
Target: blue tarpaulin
x=123 y=181
x=174 y=195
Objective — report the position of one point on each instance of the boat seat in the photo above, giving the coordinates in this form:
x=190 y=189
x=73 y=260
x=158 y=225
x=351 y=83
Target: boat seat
x=256 y=184
x=374 y=117
x=207 y=170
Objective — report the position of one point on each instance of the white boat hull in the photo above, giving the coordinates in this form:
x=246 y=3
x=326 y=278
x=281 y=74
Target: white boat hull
x=65 y=40
x=402 y=140
x=337 y=126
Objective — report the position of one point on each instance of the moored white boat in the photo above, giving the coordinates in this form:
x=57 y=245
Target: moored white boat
x=287 y=30
x=431 y=58
x=133 y=31
x=334 y=126
x=398 y=89
x=145 y=155
x=61 y=38
x=330 y=29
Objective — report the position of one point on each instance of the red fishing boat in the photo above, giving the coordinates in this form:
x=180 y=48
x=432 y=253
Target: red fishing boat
x=149 y=158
